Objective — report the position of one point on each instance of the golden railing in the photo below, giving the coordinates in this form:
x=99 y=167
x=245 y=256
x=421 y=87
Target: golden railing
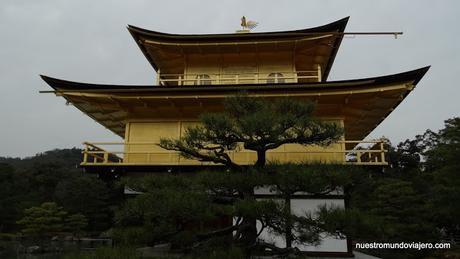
x=362 y=153
x=239 y=78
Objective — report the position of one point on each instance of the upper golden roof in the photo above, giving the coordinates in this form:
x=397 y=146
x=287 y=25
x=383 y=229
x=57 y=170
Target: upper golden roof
x=309 y=47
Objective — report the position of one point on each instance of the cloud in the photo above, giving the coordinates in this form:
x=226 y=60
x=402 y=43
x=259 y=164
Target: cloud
x=87 y=41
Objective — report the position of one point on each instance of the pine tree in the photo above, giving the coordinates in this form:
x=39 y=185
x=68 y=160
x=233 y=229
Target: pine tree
x=255 y=124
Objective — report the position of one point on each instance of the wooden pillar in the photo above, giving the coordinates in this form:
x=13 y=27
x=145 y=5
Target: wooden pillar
x=85 y=154
x=106 y=157
x=382 y=152
x=158 y=77
x=318 y=68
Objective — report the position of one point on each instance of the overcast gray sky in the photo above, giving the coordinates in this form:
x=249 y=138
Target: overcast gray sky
x=87 y=41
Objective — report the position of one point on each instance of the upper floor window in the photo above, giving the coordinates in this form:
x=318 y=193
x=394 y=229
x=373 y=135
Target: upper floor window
x=275 y=78
x=203 y=79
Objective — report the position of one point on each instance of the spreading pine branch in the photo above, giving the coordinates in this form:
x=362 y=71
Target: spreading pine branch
x=253 y=124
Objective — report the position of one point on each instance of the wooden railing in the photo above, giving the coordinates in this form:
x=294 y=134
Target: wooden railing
x=95 y=155
x=131 y=153
x=190 y=79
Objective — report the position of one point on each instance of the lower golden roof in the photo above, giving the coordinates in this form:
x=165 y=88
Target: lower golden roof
x=362 y=103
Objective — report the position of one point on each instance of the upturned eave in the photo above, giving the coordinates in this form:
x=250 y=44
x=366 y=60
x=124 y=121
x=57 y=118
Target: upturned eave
x=362 y=103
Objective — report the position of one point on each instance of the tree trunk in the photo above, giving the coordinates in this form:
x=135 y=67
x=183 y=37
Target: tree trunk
x=249 y=232
x=261 y=158
x=288 y=230
x=249 y=235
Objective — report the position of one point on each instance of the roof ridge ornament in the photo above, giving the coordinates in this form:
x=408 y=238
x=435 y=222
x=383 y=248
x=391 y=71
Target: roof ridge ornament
x=246 y=25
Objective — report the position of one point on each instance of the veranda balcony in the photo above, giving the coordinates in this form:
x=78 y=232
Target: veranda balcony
x=149 y=154
x=278 y=77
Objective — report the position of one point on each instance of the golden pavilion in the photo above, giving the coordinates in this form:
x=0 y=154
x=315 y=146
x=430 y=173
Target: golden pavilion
x=194 y=73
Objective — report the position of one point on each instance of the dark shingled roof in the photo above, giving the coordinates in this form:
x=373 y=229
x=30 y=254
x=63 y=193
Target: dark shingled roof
x=382 y=86
x=337 y=26
x=63 y=85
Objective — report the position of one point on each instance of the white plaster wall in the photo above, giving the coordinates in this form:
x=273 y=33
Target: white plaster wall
x=299 y=207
